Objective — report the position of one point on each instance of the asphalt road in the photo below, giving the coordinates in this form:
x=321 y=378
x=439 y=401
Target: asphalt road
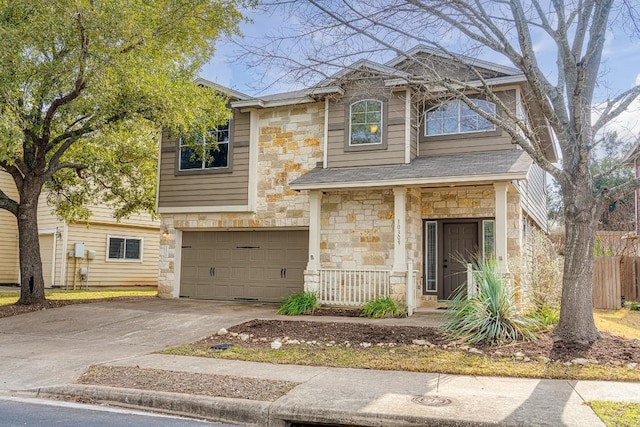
x=15 y=411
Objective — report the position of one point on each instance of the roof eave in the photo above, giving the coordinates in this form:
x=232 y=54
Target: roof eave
x=431 y=181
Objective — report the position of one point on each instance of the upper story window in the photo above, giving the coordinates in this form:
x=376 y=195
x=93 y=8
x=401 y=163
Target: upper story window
x=124 y=249
x=456 y=117
x=218 y=154
x=365 y=118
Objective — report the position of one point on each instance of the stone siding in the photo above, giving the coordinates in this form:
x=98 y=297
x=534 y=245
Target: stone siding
x=475 y=202
x=288 y=146
x=357 y=230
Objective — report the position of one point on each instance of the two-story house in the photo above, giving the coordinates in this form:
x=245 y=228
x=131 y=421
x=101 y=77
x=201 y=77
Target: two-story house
x=362 y=185
x=102 y=252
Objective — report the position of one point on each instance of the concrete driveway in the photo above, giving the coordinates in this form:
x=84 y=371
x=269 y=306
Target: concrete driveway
x=53 y=347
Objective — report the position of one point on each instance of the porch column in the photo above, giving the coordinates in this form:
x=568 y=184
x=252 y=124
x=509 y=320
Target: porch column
x=315 y=199
x=399 y=226
x=501 y=189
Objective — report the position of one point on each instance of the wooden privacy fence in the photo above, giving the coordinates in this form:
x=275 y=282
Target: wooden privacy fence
x=613 y=278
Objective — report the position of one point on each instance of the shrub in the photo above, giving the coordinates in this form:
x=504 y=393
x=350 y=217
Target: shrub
x=490 y=315
x=300 y=303
x=383 y=307
x=633 y=305
x=545 y=315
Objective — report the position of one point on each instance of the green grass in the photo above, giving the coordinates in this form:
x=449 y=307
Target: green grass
x=11 y=297
x=407 y=358
x=617 y=414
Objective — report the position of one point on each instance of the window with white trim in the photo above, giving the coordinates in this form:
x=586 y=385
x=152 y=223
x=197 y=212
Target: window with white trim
x=214 y=153
x=365 y=122
x=489 y=238
x=124 y=248
x=431 y=240
x=455 y=117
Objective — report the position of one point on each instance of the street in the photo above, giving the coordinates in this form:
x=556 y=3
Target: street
x=16 y=411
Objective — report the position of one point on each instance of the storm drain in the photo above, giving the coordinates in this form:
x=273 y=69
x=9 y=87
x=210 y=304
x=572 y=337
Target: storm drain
x=432 y=400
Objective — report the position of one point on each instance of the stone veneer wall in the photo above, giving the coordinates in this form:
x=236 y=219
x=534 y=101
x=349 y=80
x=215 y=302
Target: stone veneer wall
x=414 y=235
x=357 y=229
x=475 y=202
x=288 y=146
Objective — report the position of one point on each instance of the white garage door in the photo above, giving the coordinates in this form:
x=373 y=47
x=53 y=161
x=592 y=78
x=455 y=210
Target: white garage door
x=243 y=265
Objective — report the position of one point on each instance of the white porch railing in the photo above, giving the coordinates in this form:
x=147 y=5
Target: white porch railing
x=412 y=288
x=352 y=287
x=472 y=287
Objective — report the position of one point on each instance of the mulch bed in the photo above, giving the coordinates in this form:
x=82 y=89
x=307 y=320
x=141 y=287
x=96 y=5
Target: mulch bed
x=187 y=382
x=610 y=349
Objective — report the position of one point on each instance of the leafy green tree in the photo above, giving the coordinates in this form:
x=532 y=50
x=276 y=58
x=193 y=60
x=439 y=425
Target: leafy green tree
x=84 y=87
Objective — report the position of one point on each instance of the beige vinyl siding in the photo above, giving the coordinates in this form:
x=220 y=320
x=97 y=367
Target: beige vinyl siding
x=9 y=263
x=461 y=143
x=393 y=128
x=533 y=193
x=206 y=189
x=112 y=273
x=414 y=132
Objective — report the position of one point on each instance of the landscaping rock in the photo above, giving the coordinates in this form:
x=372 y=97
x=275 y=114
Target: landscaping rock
x=222 y=331
x=580 y=361
x=420 y=342
x=631 y=366
x=243 y=337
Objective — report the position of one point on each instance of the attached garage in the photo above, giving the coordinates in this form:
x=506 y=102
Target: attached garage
x=243 y=265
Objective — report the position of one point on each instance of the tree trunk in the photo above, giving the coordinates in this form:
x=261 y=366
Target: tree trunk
x=31 y=280
x=576 y=312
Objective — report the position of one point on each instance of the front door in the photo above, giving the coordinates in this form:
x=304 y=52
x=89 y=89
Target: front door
x=460 y=242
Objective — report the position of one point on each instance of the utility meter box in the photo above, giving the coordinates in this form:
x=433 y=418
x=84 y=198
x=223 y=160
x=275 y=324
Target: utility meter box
x=84 y=273
x=78 y=251
x=91 y=254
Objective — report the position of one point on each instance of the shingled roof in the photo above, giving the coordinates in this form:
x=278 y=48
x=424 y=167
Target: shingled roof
x=479 y=167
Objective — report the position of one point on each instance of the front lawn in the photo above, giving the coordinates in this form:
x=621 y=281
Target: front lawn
x=617 y=414
x=11 y=297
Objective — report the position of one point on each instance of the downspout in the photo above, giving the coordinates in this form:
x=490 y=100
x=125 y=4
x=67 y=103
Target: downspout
x=407 y=126
x=325 y=142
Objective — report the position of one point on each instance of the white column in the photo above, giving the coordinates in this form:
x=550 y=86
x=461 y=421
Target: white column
x=399 y=226
x=315 y=200
x=501 y=189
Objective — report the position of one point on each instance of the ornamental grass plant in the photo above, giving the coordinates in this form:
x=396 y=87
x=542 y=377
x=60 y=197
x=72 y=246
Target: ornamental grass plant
x=490 y=315
x=382 y=307
x=300 y=303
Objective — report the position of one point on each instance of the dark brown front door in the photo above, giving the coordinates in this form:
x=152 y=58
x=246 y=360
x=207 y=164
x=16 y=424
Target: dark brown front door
x=460 y=242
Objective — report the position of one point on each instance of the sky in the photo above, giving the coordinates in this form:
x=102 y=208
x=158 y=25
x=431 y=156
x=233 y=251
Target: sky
x=620 y=68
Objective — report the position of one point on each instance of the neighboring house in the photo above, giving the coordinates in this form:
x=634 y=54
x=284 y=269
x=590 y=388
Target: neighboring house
x=633 y=159
x=360 y=186
x=8 y=237
x=102 y=253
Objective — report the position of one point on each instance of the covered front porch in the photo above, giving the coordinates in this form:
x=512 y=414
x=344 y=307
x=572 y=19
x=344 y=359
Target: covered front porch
x=397 y=237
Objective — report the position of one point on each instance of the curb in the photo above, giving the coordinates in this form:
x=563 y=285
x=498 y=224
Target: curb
x=219 y=409
x=239 y=411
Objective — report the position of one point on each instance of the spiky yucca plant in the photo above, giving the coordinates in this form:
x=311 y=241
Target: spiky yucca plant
x=490 y=315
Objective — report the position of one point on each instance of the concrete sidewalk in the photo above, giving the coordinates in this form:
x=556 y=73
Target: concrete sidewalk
x=43 y=353
x=357 y=397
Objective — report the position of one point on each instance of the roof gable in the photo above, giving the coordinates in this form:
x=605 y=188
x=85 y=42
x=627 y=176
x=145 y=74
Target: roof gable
x=425 y=51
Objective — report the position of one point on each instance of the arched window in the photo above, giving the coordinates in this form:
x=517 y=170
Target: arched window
x=365 y=119
x=457 y=117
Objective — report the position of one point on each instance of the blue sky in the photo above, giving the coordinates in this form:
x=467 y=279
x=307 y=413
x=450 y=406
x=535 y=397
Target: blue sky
x=620 y=69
